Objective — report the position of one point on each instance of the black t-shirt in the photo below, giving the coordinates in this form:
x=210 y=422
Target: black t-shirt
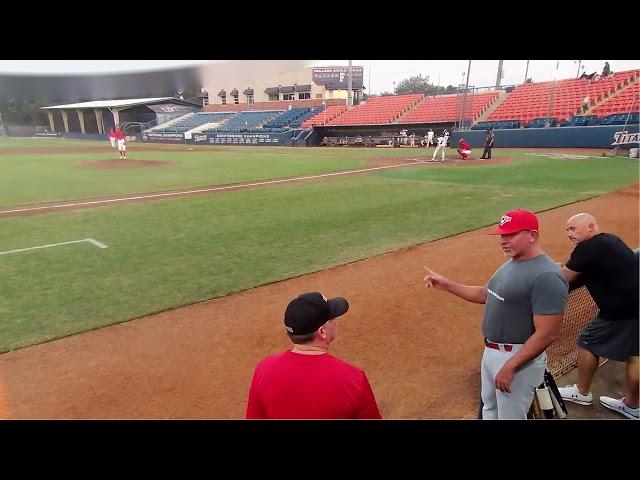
x=609 y=269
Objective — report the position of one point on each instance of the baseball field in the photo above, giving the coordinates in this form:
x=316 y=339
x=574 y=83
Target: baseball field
x=194 y=252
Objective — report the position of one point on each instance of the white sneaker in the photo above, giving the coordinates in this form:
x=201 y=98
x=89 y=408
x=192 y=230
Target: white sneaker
x=620 y=407
x=571 y=393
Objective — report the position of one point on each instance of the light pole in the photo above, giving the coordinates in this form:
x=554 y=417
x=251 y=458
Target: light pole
x=464 y=96
x=553 y=92
x=350 y=87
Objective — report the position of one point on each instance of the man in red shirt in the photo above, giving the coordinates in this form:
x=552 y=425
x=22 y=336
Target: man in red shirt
x=122 y=148
x=464 y=149
x=112 y=138
x=308 y=382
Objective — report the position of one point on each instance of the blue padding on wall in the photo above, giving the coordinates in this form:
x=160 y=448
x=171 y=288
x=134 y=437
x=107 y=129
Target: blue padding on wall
x=558 y=137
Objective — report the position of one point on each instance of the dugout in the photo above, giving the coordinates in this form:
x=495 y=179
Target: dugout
x=376 y=132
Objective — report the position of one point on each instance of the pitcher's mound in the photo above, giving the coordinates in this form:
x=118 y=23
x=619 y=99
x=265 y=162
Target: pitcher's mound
x=127 y=163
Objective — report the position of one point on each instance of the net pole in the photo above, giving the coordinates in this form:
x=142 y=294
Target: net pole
x=614 y=151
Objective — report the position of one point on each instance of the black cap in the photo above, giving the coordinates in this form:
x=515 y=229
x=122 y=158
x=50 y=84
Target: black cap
x=309 y=311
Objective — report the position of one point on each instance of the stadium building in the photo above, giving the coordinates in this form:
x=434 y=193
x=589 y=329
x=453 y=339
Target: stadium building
x=222 y=93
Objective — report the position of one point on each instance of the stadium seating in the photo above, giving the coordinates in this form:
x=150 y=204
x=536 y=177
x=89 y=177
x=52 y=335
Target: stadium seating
x=532 y=100
x=621 y=119
x=312 y=113
x=378 y=110
x=324 y=117
x=191 y=121
x=482 y=125
x=448 y=108
x=581 y=121
x=286 y=118
x=541 y=123
x=620 y=103
x=246 y=121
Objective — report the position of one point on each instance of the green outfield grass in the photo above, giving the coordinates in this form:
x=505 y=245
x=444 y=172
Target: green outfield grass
x=32 y=178
x=174 y=252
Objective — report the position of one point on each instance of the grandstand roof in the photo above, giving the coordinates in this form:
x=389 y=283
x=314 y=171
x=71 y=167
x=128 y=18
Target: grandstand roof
x=129 y=102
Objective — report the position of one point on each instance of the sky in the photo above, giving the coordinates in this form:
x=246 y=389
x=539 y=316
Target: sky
x=379 y=75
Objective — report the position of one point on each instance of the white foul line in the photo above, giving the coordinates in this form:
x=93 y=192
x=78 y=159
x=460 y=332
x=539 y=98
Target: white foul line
x=200 y=190
x=90 y=240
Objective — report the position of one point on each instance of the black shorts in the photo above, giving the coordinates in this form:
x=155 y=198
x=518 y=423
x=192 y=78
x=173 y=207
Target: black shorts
x=613 y=339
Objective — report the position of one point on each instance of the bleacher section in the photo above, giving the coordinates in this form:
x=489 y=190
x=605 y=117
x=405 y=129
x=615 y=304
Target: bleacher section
x=190 y=121
x=284 y=120
x=580 y=121
x=245 y=121
x=325 y=116
x=621 y=119
x=378 y=110
x=531 y=100
x=620 y=103
x=496 y=125
x=448 y=108
x=312 y=113
x=541 y=123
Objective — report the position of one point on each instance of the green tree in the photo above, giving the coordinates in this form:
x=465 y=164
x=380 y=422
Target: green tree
x=418 y=84
x=24 y=112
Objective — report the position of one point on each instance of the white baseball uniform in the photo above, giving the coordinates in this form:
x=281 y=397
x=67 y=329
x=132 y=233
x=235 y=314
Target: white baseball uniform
x=441 y=147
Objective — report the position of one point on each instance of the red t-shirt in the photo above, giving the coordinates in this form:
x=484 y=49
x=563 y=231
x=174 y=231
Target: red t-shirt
x=119 y=134
x=112 y=134
x=297 y=386
x=464 y=145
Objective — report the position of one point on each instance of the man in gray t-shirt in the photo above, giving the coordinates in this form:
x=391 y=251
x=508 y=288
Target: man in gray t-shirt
x=524 y=304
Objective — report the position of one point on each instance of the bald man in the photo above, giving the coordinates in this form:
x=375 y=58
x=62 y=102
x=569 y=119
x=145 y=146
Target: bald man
x=609 y=270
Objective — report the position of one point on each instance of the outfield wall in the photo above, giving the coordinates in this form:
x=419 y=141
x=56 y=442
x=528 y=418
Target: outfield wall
x=597 y=136
x=220 y=138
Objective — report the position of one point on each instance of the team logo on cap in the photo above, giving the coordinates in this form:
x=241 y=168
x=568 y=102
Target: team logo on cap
x=505 y=219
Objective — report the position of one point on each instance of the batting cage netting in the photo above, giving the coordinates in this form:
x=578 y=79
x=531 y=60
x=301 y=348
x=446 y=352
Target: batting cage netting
x=562 y=355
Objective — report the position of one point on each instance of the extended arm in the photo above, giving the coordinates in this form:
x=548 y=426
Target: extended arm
x=470 y=293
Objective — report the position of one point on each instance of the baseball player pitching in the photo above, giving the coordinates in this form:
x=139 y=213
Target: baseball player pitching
x=122 y=148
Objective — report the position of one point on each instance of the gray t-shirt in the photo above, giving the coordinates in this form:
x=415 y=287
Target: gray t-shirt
x=517 y=291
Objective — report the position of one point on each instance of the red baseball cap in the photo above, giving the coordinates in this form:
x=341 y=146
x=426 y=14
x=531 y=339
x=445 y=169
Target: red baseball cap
x=515 y=221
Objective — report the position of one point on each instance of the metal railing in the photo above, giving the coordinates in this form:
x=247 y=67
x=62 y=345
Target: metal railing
x=131 y=128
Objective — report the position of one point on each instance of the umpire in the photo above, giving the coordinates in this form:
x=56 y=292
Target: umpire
x=488 y=144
